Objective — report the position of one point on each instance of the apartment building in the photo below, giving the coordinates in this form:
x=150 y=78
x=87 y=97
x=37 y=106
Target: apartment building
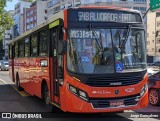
x=18 y=17
x=158 y=35
x=53 y=6
x=35 y=15
x=153 y=36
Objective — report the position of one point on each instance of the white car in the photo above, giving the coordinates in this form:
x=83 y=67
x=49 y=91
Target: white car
x=150 y=72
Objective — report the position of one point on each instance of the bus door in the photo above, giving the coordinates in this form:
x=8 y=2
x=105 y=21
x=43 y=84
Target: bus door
x=57 y=62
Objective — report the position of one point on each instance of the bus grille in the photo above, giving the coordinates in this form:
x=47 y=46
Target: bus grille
x=105 y=103
x=113 y=81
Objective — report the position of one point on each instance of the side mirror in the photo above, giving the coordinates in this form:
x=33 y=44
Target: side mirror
x=61 y=47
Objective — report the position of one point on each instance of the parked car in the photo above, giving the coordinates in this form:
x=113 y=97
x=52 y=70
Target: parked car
x=0 y=64
x=4 y=65
x=156 y=63
x=154 y=89
x=150 y=64
x=150 y=72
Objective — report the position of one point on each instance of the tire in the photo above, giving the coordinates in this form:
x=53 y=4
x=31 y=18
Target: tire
x=47 y=100
x=154 y=97
x=18 y=84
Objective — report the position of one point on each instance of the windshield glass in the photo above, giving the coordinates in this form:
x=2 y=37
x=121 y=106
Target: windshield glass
x=106 y=50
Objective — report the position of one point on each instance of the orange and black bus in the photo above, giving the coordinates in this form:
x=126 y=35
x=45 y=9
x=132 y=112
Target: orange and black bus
x=84 y=59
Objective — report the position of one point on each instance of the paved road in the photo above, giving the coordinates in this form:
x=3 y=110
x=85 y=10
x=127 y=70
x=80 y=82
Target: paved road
x=13 y=101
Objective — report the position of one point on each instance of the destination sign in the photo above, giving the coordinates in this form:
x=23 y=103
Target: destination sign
x=84 y=34
x=104 y=16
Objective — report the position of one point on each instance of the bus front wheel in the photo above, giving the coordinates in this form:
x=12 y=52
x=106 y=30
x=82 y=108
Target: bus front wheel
x=47 y=99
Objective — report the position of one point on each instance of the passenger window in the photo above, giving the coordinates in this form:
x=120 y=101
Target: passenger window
x=43 y=44
x=26 y=47
x=10 y=51
x=21 y=48
x=16 y=50
x=33 y=45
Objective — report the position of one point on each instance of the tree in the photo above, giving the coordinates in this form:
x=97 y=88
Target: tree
x=1 y=50
x=5 y=20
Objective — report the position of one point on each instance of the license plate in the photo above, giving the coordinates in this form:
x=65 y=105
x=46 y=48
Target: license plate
x=116 y=103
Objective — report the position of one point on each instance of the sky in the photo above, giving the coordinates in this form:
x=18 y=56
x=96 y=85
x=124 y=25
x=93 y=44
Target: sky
x=10 y=5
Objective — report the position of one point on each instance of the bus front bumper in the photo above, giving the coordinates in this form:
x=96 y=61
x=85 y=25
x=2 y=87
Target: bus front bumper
x=75 y=104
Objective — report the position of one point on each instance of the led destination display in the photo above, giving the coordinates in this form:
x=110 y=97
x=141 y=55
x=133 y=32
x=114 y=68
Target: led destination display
x=99 y=16
x=84 y=34
x=104 y=16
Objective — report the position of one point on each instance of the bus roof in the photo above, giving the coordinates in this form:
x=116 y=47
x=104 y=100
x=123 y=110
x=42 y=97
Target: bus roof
x=60 y=15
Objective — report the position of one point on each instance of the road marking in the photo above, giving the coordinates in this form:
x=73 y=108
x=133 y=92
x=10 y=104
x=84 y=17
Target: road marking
x=22 y=93
x=3 y=81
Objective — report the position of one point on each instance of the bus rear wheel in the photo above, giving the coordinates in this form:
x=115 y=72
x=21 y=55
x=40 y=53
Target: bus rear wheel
x=18 y=84
x=154 y=97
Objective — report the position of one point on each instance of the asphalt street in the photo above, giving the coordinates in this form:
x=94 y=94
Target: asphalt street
x=12 y=100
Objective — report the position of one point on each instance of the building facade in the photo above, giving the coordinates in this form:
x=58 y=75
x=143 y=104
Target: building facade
x=35 y=15
x=157 y=36
x=54 y=6
x=8 y=35
x=153 y=36
x=18 y=17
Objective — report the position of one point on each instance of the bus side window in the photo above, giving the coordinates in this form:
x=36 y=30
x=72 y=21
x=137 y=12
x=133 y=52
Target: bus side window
x=33 y=45
x=21 y=48
x=10 y=52
x=26 y=51
x=43 y=43
x=16 y=49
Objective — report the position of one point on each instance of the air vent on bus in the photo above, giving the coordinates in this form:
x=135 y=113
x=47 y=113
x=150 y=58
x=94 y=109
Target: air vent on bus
x=113 y=81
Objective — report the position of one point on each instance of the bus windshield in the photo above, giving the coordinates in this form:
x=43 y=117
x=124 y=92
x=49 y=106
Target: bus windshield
x=106 y=50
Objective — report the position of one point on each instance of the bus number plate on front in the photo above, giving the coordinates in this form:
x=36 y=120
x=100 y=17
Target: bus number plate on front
x=116 y=103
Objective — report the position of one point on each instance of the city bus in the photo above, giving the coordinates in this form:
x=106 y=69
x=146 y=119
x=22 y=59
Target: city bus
x=88 y=59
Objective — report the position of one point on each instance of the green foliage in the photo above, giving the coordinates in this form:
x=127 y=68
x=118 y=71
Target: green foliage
x=5 y=20
x=1 y=50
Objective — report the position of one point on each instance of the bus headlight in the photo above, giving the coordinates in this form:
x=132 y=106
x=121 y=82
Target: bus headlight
x=81 y=94
x=72 y=89
x=143 y=90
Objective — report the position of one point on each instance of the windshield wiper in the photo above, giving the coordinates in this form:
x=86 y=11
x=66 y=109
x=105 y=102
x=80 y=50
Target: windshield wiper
x=125 y=40
x=98 y=41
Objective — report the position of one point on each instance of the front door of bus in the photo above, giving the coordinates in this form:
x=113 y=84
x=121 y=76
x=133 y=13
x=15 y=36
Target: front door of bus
x=56 y=60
